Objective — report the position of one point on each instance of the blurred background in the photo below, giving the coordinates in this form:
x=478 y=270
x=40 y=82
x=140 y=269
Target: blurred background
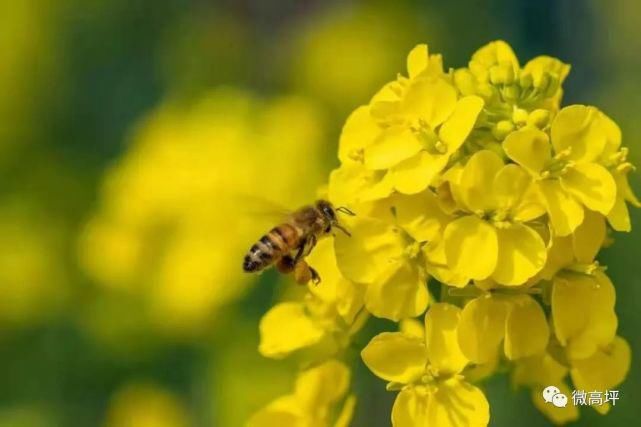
x=129 y=127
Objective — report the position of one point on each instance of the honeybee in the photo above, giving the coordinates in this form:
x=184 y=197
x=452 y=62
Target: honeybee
x=287 y=244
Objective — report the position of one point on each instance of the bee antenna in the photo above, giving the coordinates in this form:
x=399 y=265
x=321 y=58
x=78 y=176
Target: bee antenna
x=345 y=210
x=343 y=229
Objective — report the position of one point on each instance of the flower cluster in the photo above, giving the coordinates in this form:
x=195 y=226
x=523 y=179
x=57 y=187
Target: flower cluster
x=478 y=182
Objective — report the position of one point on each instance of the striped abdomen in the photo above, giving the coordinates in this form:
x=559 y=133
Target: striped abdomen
x=279 y=241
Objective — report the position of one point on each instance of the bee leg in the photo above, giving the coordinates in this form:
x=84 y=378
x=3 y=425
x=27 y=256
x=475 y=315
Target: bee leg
x=286 y=264
x=302 y=273
x=315 y=276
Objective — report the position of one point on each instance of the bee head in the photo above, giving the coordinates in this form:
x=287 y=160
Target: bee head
x=329 y=213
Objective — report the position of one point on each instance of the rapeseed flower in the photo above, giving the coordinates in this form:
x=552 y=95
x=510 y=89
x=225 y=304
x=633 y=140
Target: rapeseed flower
x=479 y=180
x=428 y=373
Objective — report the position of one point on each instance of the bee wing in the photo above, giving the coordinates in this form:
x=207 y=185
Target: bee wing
x=260 y=208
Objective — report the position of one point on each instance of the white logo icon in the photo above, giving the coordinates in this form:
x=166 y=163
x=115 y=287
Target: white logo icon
x=549 y=392
x=560 y=400
x=554 y=396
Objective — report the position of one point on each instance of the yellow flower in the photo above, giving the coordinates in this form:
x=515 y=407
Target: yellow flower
x=312 y=404
x=408 y=133
x=603 y=370
x=326 y=319
x=565 y=165
x=428 y=373
x=491 y=238
x=516 y=320
x=514 y=96
x=394 y=244
x=583 y=312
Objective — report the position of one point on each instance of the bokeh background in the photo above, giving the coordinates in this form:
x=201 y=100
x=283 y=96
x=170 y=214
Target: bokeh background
x=131 y=132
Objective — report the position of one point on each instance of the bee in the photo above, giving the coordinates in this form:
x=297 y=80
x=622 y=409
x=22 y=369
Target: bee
x=287 y=244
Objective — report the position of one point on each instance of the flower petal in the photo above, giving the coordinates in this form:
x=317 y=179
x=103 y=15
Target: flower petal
x=521 y=254
x=471 y=247
x=477 y=180
x=402 y=294
x=322 y=385
x=413 y=175
x=510 y=186
x=481 y=328
x=352 y=184
x=392 y=146
x=286 y=328
x=583 y=312
x=368 y=255
x=526 y=328
x=417 y=60
x=566 y=214
x=395 y=357
x=605 y=369
x=589 y=237
x=457 y=403
x=592 y=185
x=530 y=148
x=360 y=130
x=579 y=128
x=441 y=338
x=459 y=125
x=430 y=100
x=410 y=408
x=420 y=216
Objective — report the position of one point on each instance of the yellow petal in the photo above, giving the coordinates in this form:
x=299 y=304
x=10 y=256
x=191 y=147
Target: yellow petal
x=270 y=416
x=352 y=184
x=526 y=328
x=286 y=328
x=583 y=312
x=592 y=185
x=401 y=294
x=605 y=369
x=413 y=328
x=395 y=357
x=436 y=265
x=347 y=413
x=366 y=256
x=510 y=185
x=477 y=180
x=493 y=53
x=457 y=403
x=443 y=351
x=589 y=237
x=410 y=408
x=579 y=129
x=557 y=415
x=528 y=147
x=413 y=175
x=521 y=254
x=619 y=217
x=481 y=328
x=392 y=146
x=471 y=247
x=541 y=369
x=360 y=130
x=417 y=60
x=540 y=65
x=566 y=214
x=459 y=125
x=420 y=216
x=430 y=100
x=322 y=385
